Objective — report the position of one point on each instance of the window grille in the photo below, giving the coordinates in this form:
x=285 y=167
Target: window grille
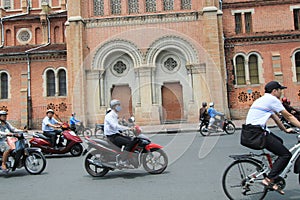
x=133 y=6
x=186 y=4
x=168 y=4
x=98 y=7
x=115 y=7
x=150 y=5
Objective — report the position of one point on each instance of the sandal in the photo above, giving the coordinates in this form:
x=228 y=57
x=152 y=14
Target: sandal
x=272 y=186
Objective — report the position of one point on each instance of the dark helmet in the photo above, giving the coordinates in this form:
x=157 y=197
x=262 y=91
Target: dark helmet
x=204 y=104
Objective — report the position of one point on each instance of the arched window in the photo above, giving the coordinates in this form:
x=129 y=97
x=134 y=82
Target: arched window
x=253 y=69
x=150 y=5
x=115 y=7
x=4 y=85
x=297 y=64
x=50 y=80
x=240 y=70
x=62 y=83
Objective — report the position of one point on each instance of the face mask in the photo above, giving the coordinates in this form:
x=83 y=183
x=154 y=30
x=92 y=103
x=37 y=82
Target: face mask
x=118 y=108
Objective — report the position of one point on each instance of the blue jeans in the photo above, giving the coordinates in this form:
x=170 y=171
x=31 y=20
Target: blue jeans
x=52 y=135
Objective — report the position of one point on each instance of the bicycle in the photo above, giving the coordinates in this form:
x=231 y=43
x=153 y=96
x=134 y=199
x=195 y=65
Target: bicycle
x=243 y=178
x=81 y=130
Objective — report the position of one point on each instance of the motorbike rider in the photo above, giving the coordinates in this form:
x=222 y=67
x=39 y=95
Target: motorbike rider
x=203 y=114
x=212 y=113
x=287 y=105
x=265 y=107
x=6 y=130
x=48 y=125
x=112 y=130
x=73 y=122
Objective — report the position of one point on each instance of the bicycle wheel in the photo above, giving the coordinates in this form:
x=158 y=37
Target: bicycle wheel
x=236 y=181
x=87 y=132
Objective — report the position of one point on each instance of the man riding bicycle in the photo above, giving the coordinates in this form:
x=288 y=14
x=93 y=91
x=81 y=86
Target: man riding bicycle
x=265 y=107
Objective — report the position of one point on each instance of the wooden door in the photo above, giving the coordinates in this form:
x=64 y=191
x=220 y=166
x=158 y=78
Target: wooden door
x=123 y=93
x=172 y=102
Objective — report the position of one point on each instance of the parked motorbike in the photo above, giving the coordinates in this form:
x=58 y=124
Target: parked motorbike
x=31 y=158
x=221 y=124
x=68 y=142
x=103 y=156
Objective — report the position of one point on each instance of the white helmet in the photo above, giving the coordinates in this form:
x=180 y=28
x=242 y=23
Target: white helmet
x=211 y=104
x=114 y=102
x=50 y=110
x=3 y=112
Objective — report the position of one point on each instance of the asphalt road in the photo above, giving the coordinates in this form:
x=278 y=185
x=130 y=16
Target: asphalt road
x=196 y=165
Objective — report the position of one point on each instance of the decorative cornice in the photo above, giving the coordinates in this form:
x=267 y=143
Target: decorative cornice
x=257 y=3
x=262 y=39
x=6 y=59
x=142 y=19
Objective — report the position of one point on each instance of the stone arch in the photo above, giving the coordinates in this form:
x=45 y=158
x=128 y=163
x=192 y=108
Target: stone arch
x=175 y=43
x=118 y=47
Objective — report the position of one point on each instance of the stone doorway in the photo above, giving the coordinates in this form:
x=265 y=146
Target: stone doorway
x=172 y=103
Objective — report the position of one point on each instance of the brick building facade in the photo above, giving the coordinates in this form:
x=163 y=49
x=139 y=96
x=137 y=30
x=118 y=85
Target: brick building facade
x=261 y=44
x=162 y=58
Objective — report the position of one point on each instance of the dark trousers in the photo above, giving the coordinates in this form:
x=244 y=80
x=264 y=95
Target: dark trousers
x=52 y=135
x=120 y=140
x=275 y=145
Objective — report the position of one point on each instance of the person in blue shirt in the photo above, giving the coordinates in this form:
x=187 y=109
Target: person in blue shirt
x=73 y=122
x=48 y=127
x=212 y=113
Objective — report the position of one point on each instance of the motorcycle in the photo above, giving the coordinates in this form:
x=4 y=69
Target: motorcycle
x=68 y=142
x=221 y=124
x=24 y=156
x=103 y=156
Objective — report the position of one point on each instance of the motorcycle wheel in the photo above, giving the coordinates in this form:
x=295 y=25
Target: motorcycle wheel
x=203 y=130
x=229 y=128
x=155 y=161
x=35 y=163
x=93 y=169
x=76 y=150
x=87 y=132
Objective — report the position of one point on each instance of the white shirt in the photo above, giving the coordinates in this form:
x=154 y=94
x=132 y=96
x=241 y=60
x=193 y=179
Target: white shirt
x=262 y=109
x=47 y=121
x=111 y=124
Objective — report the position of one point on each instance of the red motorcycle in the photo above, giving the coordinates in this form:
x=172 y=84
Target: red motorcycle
x=68 y=142
x=104 y=156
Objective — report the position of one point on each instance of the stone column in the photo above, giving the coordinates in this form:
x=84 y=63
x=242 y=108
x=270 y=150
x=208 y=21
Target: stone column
x=147 y=113
x=215 y=64
x=75 y=57
x=23 y=95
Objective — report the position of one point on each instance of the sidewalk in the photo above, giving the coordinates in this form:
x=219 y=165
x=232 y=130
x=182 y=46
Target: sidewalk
x=187 y=127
